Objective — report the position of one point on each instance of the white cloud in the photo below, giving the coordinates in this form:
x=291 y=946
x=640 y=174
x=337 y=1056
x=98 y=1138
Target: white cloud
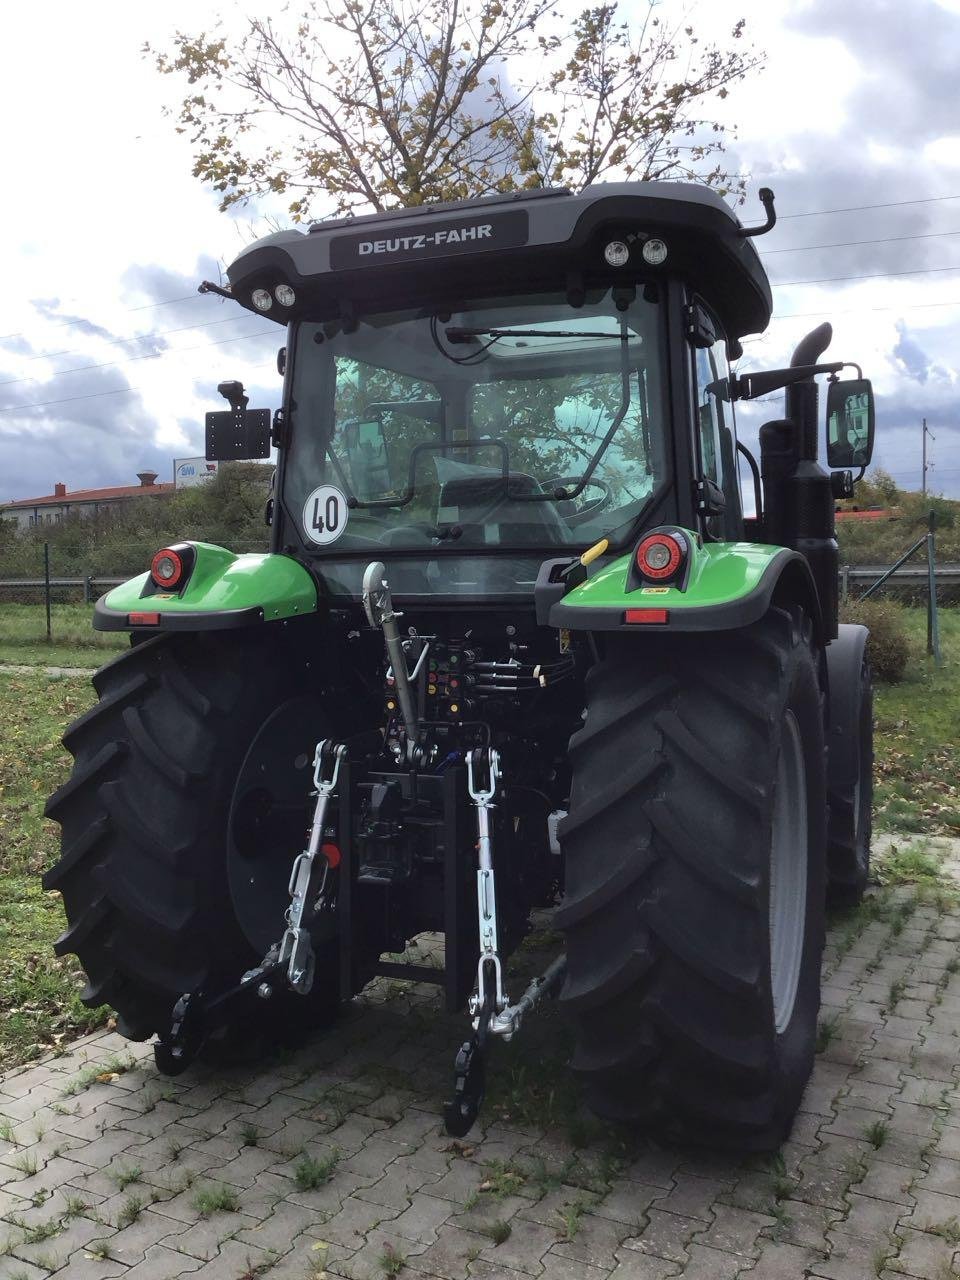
x=943 y=152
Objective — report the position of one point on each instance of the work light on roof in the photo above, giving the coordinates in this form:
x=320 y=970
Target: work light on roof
x=654 y=252
x=284 y=295
x=262 y=299
x=616 y=253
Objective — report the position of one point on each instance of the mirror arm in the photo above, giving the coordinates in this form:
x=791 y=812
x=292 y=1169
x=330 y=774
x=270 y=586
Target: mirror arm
x=848 y=364
x=755 y=473
x=207 y=286
x=750 y=385
x=766 y=199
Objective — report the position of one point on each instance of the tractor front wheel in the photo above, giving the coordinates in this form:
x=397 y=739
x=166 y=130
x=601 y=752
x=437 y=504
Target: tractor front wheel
x=188 y=801
x=695 y=861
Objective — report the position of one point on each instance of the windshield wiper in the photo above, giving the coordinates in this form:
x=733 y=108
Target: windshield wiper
x=456 y=334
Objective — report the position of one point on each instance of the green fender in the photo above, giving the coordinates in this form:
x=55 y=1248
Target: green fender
x=727 y=585
x=222 y=590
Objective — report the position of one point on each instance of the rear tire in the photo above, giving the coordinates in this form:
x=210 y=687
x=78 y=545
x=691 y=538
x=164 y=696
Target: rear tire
x=145 y=817
x=850 y=803
x=693 y=1018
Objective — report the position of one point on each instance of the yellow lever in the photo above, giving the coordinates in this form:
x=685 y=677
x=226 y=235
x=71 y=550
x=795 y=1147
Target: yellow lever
x=593 y=552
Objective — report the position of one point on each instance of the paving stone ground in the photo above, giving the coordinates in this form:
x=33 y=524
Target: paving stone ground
x=331 y=1160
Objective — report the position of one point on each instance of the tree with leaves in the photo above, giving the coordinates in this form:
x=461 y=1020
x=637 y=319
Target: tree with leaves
x=373 y=104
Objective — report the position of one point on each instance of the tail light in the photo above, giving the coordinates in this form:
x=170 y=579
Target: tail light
x=171 y=566
x=660 y=556
x=167 y=568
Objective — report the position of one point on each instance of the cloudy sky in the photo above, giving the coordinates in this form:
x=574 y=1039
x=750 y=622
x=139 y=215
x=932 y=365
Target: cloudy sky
x=109 y=358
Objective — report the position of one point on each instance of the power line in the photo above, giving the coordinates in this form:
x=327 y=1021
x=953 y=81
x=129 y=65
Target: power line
x=875 y=275
x=945 y=446
x=848 y=311
x=44 y=404
x=912 y=475
x=119 y=391
x=849 y=244
x=150 y=306
x=137 y=337
x=782 y=217
x=150 y=355
x=859 y=208
x=845 y=244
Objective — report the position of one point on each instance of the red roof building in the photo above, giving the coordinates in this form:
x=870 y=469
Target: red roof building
x=53 y=508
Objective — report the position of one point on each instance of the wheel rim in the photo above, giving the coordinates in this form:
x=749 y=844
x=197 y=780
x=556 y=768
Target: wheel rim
x=788 y=874
x=269 y=816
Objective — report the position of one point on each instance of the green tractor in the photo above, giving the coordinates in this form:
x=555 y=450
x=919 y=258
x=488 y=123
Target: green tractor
x=515 y=645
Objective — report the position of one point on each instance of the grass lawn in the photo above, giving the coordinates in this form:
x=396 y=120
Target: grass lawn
x=74 y=643
x=39 y=1005
x=918 y=738
x=918 y=767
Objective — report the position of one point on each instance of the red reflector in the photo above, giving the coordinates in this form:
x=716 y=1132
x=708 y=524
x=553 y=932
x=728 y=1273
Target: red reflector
x=646 y=615
x=332 y=855
x=143 y=619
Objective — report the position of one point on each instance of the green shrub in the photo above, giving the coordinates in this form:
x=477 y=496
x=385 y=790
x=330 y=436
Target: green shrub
x=888 y=648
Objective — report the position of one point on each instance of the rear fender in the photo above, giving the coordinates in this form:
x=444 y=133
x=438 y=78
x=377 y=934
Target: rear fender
x=845 y=657
x=728 y=585
x=222 y=590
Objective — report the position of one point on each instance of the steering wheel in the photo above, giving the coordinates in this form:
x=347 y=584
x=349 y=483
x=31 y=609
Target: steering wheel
x=591 y=506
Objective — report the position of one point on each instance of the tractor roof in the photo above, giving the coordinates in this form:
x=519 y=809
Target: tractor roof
x=523 y=242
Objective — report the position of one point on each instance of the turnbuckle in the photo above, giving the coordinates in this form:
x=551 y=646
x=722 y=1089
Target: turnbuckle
x=490 y=1009
x=306 y=896
x=470 y=1074
x=482 y=797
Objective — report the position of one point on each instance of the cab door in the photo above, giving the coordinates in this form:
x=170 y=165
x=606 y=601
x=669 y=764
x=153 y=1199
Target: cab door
x=714 y=425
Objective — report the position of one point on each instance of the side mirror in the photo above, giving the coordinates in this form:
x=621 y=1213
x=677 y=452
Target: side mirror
x=850 y=423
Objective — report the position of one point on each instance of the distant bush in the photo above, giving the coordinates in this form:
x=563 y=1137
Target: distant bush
x=889 y=648
x=228 y=510
x=882 y=541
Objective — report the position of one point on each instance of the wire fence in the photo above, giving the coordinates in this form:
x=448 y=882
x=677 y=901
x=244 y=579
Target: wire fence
x=47 y=590
x=928 y=544
x=55 y=575
x=84 y=572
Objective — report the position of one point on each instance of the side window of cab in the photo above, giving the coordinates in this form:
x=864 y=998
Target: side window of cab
x=716 y=434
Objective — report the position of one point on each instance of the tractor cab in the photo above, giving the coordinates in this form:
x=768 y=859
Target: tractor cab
x=473 y=388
